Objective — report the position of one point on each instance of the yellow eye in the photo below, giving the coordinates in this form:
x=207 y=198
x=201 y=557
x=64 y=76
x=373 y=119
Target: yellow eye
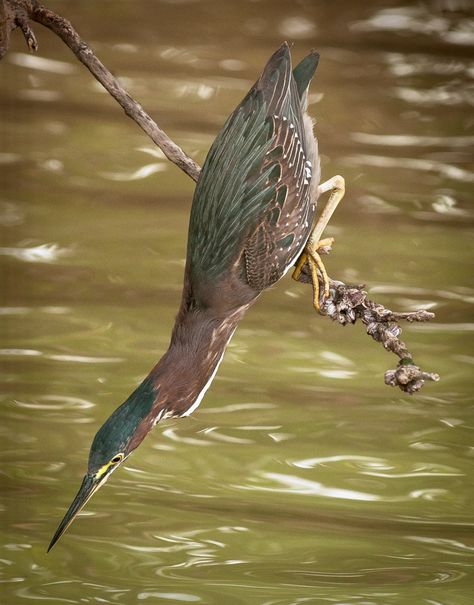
x=116 y=459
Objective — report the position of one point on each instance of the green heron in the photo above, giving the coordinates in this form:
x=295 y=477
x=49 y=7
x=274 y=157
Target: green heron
x=252 y=219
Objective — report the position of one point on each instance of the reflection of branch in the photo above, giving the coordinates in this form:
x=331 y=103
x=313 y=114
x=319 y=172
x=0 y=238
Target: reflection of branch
x=19 y=12
x=346 y=303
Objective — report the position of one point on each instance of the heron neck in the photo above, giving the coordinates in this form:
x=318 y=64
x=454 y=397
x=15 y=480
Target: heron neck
x=187 y=369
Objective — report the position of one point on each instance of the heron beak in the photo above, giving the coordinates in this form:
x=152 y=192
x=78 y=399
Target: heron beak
x=90 y=484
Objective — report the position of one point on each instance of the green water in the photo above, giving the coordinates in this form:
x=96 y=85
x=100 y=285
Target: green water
x=302 y=478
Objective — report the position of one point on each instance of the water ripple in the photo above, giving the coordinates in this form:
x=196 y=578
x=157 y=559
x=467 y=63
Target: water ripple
x=20 y=352
x=196 y=89
x=444 y=94
x=52 y=66
x=297 y=27
x=55 y=402
x=225 y=438
x=444 y=545
x=367 y=461
x=337 y=374
x=84 y=358
x=26 y=310
x=9 y=158
x=171 y=433
x=405 y=65
x=417 y=20
x=169 y=596
x=466 y=295
x=44 y=96
x=422 y=471
x=407 y=140
x=380 y=467
x=56 y=357
x=297 y=485
x=446 y=170
x=237 y=407
x=141 y=173
x=44 y=253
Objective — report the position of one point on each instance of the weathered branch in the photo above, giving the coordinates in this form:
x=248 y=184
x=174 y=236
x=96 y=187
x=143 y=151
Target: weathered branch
x=13 y=14
x=18 y=13
x=346 y=304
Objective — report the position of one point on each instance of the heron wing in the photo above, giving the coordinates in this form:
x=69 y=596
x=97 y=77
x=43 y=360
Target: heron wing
x=248 y=177
x=285 y=223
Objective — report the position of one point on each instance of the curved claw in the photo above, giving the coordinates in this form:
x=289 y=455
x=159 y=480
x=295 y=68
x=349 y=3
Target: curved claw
x=315 y=263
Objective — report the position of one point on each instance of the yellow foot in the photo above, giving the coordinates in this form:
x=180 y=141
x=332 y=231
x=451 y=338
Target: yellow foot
x=311 y=256
x=314 y=244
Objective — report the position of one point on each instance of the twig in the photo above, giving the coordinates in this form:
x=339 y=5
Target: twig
x=345 y=304
x=19 y=12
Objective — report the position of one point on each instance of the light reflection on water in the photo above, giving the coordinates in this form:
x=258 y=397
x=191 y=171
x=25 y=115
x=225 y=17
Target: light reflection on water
x=445 y=170
x=51 y=66
x=43 y=253
x=302 y=478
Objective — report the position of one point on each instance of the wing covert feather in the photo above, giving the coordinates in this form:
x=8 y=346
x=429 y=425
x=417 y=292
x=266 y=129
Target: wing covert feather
x=252 y=206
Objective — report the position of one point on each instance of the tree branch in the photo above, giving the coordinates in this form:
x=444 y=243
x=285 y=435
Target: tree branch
x=346 y=304
x=13 y=14
x=19 y=12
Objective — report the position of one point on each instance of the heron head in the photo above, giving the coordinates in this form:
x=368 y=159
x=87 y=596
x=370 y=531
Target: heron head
x=120 y=434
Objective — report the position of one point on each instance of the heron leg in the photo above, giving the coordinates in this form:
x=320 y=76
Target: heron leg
x=336 y=186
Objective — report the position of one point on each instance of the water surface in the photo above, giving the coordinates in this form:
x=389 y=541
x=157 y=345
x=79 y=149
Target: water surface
x=302 y=478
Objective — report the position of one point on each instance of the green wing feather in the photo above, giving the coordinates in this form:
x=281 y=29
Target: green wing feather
x=237 y=182
x=304 y=72
x=227 y=199
x=232 y=190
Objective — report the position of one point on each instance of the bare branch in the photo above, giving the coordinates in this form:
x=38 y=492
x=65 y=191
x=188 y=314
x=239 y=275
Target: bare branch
x=409 y=377
x=346 y=304
x=19 y=12
x=13 y=14
x=6 y=26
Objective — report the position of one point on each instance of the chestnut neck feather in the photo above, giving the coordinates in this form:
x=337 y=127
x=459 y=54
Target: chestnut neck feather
x=173 y=386
x=197 y=344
